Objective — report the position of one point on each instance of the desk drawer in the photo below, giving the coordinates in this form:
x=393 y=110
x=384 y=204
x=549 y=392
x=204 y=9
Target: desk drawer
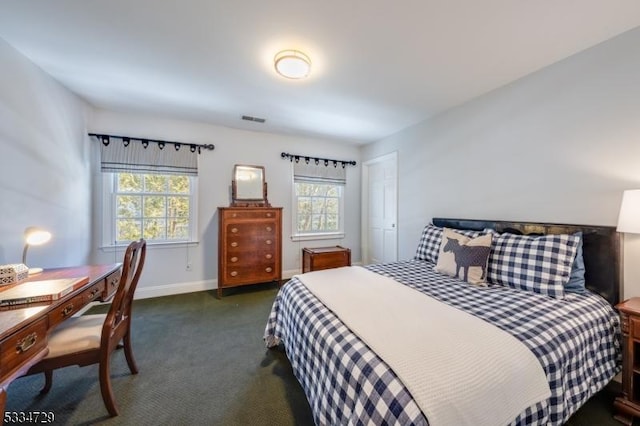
x=110 y=285
x=15 y=351
x=78 y=302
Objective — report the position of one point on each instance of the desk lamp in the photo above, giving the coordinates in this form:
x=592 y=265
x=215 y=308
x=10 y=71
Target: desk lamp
x=34 y=236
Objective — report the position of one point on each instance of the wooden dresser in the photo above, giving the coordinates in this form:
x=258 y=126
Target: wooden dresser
x=249 y=246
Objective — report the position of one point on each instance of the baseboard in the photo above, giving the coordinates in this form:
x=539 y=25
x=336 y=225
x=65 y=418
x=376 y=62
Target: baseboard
x=177 y=288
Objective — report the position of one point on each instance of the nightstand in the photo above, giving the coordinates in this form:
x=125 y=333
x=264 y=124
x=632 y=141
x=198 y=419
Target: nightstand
x=315 y=259
x=627 y=405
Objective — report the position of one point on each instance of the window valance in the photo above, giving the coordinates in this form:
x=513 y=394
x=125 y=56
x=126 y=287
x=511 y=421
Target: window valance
x=318 y=170
x=317 y=173
x=136 y=155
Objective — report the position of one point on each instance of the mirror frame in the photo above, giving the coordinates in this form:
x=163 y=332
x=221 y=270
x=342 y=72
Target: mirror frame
x=237 y=197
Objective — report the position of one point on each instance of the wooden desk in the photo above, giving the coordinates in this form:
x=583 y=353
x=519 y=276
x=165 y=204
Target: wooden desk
x=23 y=331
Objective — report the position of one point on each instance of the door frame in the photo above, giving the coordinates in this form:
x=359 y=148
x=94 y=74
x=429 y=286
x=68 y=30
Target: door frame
x=364 y=221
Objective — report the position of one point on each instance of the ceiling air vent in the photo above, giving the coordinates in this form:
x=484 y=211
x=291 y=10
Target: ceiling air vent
x=256 y=119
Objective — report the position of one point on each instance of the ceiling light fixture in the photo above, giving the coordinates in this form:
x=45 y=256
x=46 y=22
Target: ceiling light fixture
x=292 y=64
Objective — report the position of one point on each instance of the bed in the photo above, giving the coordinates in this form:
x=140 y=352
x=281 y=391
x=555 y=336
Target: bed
x=575 y=338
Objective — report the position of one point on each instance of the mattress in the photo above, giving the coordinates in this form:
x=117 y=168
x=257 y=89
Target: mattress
x=576 y=340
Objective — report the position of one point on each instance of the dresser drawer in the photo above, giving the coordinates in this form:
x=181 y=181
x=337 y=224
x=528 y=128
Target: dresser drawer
x=246 y=243
x=251 y=273
x=249 y=214
x=251 y=230
x=243 y=258
x=16 y=350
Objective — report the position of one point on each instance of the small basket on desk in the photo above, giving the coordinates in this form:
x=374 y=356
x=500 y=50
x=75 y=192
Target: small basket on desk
x=13 y=273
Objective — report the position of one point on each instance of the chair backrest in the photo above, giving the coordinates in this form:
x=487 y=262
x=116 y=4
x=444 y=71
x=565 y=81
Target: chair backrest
x=118 y=318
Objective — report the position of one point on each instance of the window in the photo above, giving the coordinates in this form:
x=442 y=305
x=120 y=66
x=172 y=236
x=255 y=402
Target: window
x=318 y=210
x=157 y=207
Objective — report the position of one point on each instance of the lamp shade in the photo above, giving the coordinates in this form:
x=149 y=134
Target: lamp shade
x=35 y=236
x=629 y=217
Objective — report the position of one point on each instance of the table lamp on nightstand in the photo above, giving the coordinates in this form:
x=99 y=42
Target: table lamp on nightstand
x=629 y=218
x=34 y=236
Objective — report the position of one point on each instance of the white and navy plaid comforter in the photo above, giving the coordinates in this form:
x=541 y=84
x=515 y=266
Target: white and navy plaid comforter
x=576 y=340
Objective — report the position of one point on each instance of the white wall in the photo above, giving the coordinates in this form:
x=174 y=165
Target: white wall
x=165 y=271
x=45 y=178
x=559 y=145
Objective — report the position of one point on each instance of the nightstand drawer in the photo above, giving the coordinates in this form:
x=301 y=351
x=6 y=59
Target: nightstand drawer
x=634 y=328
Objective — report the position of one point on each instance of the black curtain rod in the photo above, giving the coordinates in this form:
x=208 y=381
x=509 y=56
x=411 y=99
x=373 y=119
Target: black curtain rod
x=317 y=160
x=126 y=139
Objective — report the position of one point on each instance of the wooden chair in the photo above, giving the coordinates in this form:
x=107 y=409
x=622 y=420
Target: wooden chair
x=90 y=339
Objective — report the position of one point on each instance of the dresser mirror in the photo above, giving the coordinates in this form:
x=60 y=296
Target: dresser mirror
x=248 y=187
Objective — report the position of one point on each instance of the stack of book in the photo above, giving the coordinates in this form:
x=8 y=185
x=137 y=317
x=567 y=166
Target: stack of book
x=45 y=291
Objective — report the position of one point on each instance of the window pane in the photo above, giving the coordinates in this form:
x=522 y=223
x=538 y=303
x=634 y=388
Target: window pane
x=317 y=222
x=179 y=185
x=128 y=206
x=303 y=188
x=333 y=191
x=155 y=229
x=155 y=183
x=178 y=229
x=332 y=223
x=128 y=230
x=178 y=207
x=333 y=206
x=304 y=205
x=154 y=206
x=318 y=205
x=129 y=182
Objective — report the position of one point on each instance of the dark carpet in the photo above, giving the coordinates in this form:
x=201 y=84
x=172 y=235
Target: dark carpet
x=202 y=361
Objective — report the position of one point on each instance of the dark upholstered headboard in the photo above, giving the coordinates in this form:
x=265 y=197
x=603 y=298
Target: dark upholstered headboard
x=601 y=248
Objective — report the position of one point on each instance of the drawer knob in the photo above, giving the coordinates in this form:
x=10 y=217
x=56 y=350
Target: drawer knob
x=268 y=269
x=268 y=242
x=234 y=244
x=268 y=214
x=26 y=343
x=268 y=255
x=269 y=229
x=234 y=273
x=67 y=310
x=114 y=282
x=93 y=293
x=234 y=259
x=234 y=230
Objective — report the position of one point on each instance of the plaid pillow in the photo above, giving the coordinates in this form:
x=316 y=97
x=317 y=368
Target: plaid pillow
x=429 y=245
x=541 y=264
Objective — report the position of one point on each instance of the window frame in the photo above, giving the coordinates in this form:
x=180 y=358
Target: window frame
x=320 y=235
x=109 y=214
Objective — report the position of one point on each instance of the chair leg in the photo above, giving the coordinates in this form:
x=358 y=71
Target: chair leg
x=48 y=381
x=128 y=353
x=105 y=387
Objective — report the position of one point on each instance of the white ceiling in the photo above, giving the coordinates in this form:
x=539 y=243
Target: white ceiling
x=378 y=65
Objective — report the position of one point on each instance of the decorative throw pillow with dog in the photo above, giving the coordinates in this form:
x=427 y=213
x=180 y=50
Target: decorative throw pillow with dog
x=463 y=257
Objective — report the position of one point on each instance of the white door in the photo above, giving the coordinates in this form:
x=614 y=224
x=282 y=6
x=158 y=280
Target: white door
x=380 y=187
